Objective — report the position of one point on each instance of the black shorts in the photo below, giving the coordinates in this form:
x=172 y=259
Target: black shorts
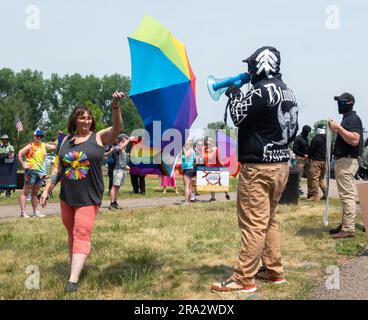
x=190 y=173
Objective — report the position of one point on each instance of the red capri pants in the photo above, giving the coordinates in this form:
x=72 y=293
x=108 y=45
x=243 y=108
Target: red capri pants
x=79 y=222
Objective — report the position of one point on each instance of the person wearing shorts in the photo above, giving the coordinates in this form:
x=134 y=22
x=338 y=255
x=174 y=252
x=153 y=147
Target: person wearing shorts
x=35 y=171
x=188 y=163
x=119 y=172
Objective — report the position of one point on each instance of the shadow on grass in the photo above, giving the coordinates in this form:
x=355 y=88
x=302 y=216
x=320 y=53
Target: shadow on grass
x=62 y=270
x=312 y=231
x=134 y=274
x=218 y=272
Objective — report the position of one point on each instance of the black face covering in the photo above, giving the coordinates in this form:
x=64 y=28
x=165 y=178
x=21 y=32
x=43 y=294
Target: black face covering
x=344 y=107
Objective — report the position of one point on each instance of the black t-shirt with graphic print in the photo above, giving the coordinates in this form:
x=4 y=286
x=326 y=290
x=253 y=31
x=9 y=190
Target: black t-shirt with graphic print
x=82 y=179
x=267 y=118
x=350 y=122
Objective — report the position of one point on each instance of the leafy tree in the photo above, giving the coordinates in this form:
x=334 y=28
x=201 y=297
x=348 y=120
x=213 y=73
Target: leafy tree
x=6 y=82
x=97 y=115
x=210 y=131
x=47 y=103
x=30 y=87
x=11 y=108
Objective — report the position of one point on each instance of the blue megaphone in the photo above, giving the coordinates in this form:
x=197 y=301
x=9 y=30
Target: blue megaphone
x=216 y=87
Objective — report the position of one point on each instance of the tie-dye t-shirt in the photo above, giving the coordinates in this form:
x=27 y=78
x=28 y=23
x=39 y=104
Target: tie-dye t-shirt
x=82 y=180
x=36 y=157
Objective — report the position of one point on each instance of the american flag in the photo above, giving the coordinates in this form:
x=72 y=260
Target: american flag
x=18 y=125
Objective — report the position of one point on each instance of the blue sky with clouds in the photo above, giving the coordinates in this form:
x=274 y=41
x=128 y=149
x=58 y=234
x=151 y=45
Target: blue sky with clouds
x=90 y=37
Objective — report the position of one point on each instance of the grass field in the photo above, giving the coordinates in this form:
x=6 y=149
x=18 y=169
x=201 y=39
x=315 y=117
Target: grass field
x=168 y=253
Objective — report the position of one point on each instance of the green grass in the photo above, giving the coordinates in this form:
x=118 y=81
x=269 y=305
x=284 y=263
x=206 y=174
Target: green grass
x=153 y=190
x=168 y=253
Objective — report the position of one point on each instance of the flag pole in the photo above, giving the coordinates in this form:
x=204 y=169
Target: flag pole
x=18 y=142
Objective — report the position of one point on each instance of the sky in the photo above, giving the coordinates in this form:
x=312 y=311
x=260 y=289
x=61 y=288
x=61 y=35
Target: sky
x=322 y=43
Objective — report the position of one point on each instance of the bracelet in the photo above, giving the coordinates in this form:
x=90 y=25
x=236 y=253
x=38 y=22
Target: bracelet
x=115 y=108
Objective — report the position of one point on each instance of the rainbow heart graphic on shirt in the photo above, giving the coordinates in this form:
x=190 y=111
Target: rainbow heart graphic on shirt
x=77 y=165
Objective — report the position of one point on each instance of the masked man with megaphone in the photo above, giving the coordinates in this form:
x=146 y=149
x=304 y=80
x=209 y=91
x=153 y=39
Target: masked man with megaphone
x=267 y=118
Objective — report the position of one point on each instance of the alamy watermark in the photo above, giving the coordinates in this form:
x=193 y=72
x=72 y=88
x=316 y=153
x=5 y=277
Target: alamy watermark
x=33 y=281
x=32 y=21
x=159 y=145
x=333 y=17
x=333 y=280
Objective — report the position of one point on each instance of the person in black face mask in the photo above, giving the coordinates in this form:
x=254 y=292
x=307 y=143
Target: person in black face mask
x=346 y=152
x=301 y=150
x=267 y=121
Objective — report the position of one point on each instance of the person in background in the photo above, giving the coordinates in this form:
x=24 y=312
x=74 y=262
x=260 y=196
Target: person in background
x=346 y=151
x=301 y=150
x=363 y=162
x=211 y=159
x=7 y=152
x=6 y=149
x=80 y=173
x=199 y=161
x=317 y=163
x=110 y=162
x=137 y=179
x=120 y=169
x=188 y=164
x=169 y=182
x=267 y=118
x=34 y=171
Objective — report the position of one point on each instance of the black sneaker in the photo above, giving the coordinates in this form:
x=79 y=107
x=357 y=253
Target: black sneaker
x=227 y=197
x=71 y=287
x=337 y=230
x=111 y=206
x=212 y=199
x=116 y=206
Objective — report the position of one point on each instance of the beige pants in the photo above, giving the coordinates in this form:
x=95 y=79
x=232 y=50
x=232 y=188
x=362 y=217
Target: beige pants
x=259 y=189
x=317 y=172
x=345 y=170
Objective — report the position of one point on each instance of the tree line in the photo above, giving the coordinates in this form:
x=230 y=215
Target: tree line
x=47 y=102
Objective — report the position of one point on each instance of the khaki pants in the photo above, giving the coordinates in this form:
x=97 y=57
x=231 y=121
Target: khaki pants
x=302 y=165
x=317 y=172
x=345 y=170
x=259 y=189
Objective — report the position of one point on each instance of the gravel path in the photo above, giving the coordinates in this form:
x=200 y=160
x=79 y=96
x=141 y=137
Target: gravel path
x=349 y=282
